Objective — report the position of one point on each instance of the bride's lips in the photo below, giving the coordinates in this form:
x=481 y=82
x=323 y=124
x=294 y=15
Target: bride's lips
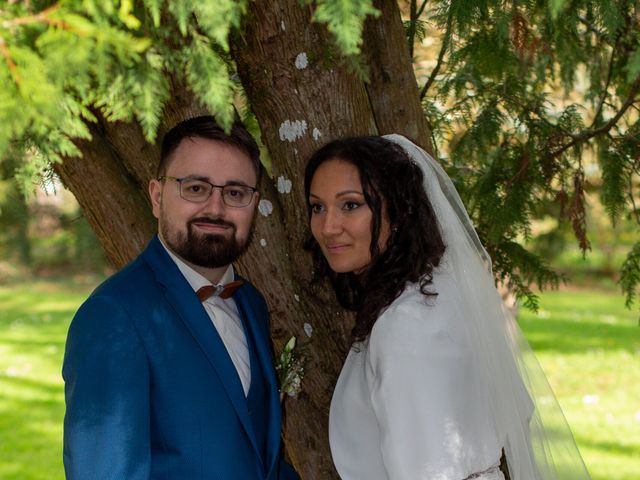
x=337 y=248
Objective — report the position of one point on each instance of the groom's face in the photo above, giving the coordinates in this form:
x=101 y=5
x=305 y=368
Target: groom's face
x=210 y=233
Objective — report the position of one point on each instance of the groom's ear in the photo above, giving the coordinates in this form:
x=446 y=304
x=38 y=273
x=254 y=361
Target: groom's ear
x=155 y=194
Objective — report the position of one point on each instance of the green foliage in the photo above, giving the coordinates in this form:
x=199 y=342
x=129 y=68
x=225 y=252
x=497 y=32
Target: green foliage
x=207 y=74
x=630 y=276
x=345 y=19
x=50 y=58
x=14 y=219
x=528 y=96
x=59 y=61
x=526 y=268
x=37 y=234
x=614 y=182
x=217 y=18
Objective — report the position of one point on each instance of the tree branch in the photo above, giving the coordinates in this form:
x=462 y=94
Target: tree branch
x=591 y=28
x=635 y=211
x=587 y=134
x=536 y=110
x=606 y=85
x=443 y=49
x=413 y=20
x=40 y=17
x=13 y=69
x=411 y=29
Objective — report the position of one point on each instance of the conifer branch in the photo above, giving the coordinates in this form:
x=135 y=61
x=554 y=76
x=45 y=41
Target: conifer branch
x=522 y=169
x=635 y=211
x=588 y=134
x=13 y=69
x=605 y=90
x=536 y=110
x=40 y=17
x=443 y=49
x=414 y=16
x=590 y=27
x=578 y=212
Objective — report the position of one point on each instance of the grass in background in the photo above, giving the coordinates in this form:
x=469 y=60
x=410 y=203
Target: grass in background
x=33 y=326
x=587 y=343
x=589 y=346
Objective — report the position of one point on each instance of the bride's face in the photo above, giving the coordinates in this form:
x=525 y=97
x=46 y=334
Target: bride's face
x=340 y=217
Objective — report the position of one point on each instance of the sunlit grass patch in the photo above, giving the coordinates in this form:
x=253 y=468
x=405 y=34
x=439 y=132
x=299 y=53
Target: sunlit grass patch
x=33 y=325
x=589 y=347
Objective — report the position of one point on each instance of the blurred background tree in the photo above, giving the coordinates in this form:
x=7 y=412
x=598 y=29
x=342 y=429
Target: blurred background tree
x=15 y=243
x=42 y=231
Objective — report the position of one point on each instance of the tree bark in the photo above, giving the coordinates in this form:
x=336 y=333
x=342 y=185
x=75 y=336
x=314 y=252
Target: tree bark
x=303 y=96
x=111 y=196
x=392 y=88
x=290 y=73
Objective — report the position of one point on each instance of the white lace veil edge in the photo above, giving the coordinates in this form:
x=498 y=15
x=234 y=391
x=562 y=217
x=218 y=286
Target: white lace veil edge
x=538 y=442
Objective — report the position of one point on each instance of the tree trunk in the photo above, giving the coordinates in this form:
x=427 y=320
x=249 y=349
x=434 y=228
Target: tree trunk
x=392 y=89
x=111 y=196
x=291 y=75
x=303 y=96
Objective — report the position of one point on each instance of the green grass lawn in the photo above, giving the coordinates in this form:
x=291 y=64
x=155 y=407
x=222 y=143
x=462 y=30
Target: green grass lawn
x=33 y=327
x=589 y=346
x=587 y=343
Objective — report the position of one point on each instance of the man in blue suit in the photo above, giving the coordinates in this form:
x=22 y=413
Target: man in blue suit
x=168 y=368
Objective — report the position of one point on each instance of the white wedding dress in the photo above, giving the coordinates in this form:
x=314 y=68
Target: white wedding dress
x=412 y=403
x=443 y=384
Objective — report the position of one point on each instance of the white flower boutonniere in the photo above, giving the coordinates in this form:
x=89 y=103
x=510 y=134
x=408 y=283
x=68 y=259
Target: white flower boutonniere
x=290 y=370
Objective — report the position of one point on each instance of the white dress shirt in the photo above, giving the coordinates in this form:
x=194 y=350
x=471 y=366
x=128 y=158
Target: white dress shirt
x=225 y=317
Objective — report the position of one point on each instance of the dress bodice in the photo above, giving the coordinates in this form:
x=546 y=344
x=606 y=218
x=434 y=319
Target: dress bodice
x=411 y=402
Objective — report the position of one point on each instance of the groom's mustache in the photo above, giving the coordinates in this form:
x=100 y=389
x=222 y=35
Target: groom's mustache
x=212 y=221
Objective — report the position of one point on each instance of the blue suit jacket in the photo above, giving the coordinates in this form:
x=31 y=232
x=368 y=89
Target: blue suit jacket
x=151 y=391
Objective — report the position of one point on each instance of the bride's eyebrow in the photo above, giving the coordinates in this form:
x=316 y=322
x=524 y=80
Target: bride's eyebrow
x=339 y=194
x=349 y=192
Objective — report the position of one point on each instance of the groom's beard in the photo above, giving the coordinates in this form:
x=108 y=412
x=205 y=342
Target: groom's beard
x=207 y=250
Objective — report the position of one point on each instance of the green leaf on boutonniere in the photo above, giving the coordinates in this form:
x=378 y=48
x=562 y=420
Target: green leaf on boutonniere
x=290 y=370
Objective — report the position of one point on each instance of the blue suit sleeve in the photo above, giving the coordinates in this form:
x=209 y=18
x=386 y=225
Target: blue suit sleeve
x=106 y=374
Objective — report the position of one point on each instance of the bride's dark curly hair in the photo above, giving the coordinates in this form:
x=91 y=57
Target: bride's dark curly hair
x=391 y=182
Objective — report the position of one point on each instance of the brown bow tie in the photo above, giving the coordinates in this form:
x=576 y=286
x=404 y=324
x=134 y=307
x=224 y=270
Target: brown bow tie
x=223 y=292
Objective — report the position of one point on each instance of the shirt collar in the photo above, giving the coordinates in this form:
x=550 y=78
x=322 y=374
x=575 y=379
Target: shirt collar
x=195 y=279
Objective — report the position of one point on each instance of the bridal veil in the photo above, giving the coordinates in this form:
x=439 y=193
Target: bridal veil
x=537 y=440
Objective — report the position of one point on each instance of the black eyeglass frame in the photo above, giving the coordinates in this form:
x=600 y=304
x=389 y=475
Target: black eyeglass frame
x=221 y=187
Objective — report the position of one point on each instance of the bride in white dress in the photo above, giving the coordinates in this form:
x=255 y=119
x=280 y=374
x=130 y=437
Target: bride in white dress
x=439 y=383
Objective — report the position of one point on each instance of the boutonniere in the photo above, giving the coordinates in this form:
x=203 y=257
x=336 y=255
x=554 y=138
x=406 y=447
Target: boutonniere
x=290 y=370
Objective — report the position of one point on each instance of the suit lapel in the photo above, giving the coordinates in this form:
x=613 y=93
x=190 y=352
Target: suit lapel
x=186 y=304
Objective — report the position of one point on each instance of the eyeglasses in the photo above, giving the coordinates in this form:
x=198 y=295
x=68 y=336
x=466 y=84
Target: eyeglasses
x=199 y=191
